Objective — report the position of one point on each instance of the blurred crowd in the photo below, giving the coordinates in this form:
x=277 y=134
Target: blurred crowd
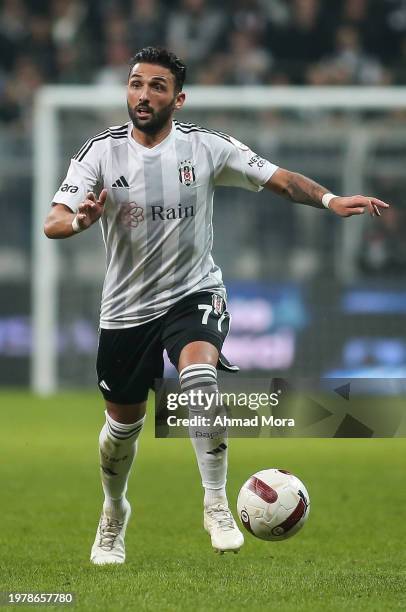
x=243 y=42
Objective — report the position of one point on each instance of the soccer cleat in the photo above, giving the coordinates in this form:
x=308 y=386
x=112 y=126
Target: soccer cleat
x=220 y=524
x=109 y=545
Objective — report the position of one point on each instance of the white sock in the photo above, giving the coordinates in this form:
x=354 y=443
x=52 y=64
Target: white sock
x=215 y=496
x=209 y=443
x=117 y=447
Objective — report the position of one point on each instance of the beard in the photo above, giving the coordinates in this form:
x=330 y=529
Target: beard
x=156 y=121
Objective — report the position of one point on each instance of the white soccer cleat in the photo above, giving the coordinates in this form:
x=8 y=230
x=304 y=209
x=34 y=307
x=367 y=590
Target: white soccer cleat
x=220 y=524
x=109 y=545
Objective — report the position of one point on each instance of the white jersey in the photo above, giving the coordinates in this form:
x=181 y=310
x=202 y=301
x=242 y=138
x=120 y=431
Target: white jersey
x=157 y=221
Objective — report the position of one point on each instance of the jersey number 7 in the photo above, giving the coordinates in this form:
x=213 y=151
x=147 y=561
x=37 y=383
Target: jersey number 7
x=207 y=310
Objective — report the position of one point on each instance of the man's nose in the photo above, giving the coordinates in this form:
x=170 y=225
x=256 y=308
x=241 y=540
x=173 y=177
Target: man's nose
x=144 y=95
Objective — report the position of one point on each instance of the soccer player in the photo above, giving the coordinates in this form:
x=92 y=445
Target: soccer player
x=162 y=289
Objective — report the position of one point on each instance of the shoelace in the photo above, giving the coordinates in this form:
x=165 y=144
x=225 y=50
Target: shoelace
x=109 y=530
x=222 y=516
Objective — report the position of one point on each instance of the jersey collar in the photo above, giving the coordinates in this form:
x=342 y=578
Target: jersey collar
x=147 y=150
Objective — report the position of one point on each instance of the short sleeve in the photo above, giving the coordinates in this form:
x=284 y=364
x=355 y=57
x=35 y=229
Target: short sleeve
x=81 y=178
x=244 y=168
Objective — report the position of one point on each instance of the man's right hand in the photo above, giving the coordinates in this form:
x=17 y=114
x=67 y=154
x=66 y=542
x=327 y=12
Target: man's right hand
x=91 y=209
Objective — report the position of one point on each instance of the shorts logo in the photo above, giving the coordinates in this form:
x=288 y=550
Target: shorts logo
x=104 y=385
x=218 y=304
x=187 y=173
x=131 y=215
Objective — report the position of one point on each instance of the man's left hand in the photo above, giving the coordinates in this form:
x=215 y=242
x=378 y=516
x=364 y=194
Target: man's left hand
x=357 y=205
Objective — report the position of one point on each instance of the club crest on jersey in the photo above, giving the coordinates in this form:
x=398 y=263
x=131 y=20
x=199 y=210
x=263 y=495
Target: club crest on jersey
x=217 y=303
x=187 y=173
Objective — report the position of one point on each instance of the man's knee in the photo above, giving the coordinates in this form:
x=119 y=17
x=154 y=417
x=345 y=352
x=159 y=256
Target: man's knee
x=126 y=413
x=198 y=352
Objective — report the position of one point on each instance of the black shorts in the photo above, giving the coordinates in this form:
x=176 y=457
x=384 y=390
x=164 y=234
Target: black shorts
x=130 y=359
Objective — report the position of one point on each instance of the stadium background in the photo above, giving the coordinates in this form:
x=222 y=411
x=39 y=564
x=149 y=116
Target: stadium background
x=309 y=293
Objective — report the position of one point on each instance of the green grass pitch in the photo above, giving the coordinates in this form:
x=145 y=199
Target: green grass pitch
x=351 y=555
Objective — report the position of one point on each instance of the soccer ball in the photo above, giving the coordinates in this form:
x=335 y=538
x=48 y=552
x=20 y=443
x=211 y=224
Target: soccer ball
x=273 y=504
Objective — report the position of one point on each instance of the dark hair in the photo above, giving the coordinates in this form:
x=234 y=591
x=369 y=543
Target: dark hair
x=161 y=57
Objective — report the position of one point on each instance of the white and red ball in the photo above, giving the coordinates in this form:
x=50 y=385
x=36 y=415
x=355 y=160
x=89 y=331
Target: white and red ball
x=273 y=504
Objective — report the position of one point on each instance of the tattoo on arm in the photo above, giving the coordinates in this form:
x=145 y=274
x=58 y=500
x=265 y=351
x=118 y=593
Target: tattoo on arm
x=305 y=191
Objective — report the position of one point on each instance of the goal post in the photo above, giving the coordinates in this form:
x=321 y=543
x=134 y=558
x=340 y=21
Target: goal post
x=51 y=100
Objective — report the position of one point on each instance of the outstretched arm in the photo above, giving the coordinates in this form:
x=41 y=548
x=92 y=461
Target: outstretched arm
x=299 y=188
x=63 y=223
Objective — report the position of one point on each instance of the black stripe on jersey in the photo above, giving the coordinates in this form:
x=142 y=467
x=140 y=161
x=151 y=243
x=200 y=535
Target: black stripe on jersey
x=188 y=124
x=204 y=132
x=116 y=134
x=119 y=133
x=105 y=134
x=80 y=156
x=109 y=130
x=91 y=143
x=192 y=128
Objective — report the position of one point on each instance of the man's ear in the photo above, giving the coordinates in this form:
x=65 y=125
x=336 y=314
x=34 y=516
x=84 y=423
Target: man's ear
x=180 y=100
